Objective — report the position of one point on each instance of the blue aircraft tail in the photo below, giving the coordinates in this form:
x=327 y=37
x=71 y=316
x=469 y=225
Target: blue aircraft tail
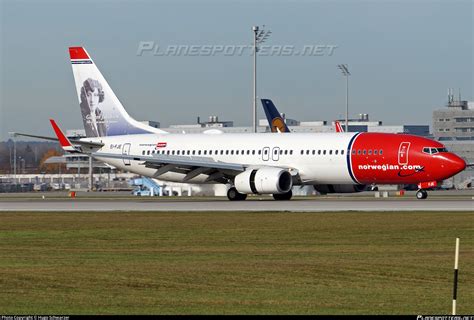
x=275 y=120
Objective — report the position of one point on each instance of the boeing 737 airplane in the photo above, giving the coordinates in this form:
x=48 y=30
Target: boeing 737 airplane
x=248 y=163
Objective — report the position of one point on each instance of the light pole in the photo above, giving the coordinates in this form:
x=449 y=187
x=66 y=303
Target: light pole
x=259 y=37
x=13 y=135
x=346 y=73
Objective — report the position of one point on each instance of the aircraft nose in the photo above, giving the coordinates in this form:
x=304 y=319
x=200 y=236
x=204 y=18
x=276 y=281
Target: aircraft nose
x=454 y=164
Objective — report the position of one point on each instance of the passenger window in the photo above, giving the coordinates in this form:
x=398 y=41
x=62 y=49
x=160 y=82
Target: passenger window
x=266 y=151
x=259 y=152
x=222 y=152
x=307 y=152
x=237 y=152
x=291 y=152
x=302 y=151
x=353 y=151
x=248 y=152
x=143 y=152
x=281 y=152
x=194 y=152
x=342 y=152
x=330 y=151
x=148 y=152
x=381 y=152
x=314 y=152
x=319 y=152
x=253 y=152
x=227 y=152
x=324 y=152
x=231 y=152
x=375 y=152
x=370 y=152
x=335 y=152
x=199 y=152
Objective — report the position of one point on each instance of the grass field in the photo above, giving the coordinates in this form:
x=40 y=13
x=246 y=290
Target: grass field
x=234 y=263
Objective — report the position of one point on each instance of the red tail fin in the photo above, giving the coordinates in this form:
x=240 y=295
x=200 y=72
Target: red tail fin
x=338 y=126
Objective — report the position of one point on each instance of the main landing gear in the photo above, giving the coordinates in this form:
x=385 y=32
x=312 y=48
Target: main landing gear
x=283 y=196
x=234 y=195
x=421 y=194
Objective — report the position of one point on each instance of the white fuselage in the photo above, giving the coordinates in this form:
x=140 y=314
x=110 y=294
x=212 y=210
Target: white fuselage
x=324 y=159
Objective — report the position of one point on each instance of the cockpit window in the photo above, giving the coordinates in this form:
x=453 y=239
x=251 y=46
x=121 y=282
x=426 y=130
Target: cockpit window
x=434 y=150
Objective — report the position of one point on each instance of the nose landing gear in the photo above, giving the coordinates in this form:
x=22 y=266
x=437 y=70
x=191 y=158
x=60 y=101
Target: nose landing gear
x=421 y=194
x=422 y=186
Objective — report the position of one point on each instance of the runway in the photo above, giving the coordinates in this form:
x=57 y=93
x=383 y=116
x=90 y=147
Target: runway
x=248 y=206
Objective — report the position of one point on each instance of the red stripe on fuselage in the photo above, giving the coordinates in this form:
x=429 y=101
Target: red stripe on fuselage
x=386 y=159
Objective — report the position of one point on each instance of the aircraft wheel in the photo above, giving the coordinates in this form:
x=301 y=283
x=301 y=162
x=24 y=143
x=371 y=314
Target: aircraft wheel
x=283 y=196
x=421 y=194
x=234 y=195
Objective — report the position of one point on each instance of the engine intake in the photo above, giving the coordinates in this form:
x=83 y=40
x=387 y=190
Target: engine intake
x=264 y=180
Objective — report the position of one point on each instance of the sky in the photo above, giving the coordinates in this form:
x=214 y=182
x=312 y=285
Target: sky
x=402 y=55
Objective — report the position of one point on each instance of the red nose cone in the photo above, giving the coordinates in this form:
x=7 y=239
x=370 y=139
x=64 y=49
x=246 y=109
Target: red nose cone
x=454 y=164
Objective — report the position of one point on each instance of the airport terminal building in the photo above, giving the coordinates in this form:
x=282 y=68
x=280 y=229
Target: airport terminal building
x=453 y=125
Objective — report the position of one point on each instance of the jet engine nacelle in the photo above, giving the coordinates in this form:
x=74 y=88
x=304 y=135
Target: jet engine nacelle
x=264 y=180
x=340 y=188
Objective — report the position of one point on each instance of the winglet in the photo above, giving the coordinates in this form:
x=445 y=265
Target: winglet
x=63 y=140
x=338 y=126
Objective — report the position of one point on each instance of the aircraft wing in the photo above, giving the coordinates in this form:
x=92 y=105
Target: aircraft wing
x=217 y=171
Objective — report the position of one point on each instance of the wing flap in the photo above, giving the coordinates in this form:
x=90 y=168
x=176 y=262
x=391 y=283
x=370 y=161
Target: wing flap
x=179 y=161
